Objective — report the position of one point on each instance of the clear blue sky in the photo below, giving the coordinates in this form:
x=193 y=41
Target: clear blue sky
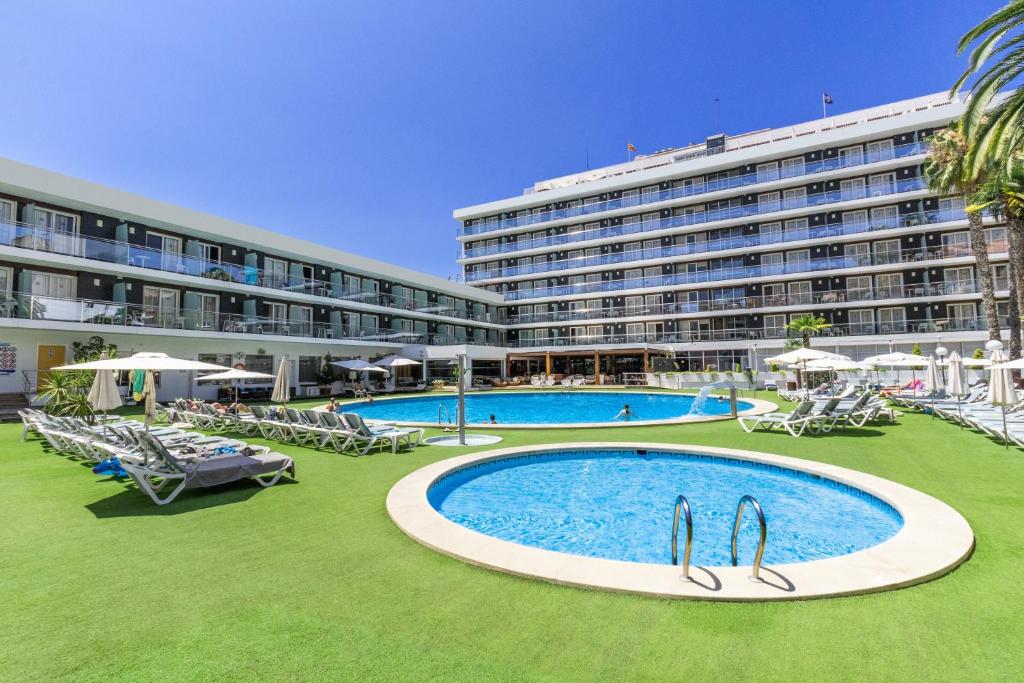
x=363 y=125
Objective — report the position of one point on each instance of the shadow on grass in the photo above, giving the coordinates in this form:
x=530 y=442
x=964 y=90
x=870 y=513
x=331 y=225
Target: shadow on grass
x=131 y=502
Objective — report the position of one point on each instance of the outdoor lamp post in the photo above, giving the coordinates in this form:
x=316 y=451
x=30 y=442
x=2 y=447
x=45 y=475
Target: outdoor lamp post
x=460 y=361
x=940 y=353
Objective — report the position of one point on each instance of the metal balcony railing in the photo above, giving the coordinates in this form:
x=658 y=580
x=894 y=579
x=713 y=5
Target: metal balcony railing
x=483 y=226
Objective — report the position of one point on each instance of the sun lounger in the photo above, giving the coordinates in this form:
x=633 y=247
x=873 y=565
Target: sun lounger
x=795 y=422
x=368 y=437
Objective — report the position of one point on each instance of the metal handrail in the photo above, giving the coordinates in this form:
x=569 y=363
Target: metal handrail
x=764 y=531
x=683 y=505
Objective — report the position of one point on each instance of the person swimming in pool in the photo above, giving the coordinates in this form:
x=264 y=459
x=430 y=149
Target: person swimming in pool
x=493 y=420
x=624 y=414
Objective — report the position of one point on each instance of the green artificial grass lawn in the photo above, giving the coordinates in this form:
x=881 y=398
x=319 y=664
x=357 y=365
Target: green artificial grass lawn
x=311 y=580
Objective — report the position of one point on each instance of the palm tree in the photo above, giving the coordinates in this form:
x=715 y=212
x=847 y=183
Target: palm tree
x=998 y=54
x=807 y=325
x=948 y=171
x=1003 y=195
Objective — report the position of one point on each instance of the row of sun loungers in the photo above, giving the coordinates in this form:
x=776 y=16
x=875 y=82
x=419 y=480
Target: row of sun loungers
x=345 y=433
x=976 y=412
x=821 y=416
x=163 y=461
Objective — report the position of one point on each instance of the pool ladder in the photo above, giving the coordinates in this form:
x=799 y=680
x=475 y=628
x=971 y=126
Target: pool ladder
x=736 y=531
x=442 y=409
x=682 y=505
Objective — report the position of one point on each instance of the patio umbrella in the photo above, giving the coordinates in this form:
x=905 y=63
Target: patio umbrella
x=395 y=361
x=1000 y=387
x=933 y=378
x=281 y=394
x=103 y=394
x=358 y=365
x=143 y=361
x=897 y=360
x=802 y=356
x=834 y=365
x=234 y=375
x=957 y=380
x=149 y=392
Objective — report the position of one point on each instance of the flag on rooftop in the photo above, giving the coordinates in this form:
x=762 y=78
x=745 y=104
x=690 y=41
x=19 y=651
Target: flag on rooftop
x=630 y=147
x=826 y=98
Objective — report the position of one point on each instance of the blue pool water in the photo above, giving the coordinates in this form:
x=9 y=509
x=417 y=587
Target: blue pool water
x=619 y=505
x=544 y=407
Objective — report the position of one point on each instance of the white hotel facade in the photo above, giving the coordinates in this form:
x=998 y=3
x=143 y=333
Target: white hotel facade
x=706 y=252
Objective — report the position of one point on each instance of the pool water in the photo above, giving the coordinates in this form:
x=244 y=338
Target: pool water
x=547 y=407
x=619 y=504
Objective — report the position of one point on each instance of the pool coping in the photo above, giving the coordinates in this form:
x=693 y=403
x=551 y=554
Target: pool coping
x=933 y=541
x=759 y=407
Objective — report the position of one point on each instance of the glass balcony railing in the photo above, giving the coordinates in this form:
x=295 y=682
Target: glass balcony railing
x=701 y=217
x=764 y=176
x=936 y=326
x=90 y=311
x=879 y=257
x=25 y=236
x=829 y=230
x=751 y=303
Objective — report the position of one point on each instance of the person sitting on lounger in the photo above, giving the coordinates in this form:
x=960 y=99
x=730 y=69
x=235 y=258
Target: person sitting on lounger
x=238 y=408
x=624 y=414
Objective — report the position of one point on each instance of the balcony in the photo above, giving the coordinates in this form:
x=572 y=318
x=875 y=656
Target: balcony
x=809 y=169
x=935 y=326
x=750 y=303
x=25 y=236
x=745 y=242
x=136 y=316
x=887 y=257
x=701 y=217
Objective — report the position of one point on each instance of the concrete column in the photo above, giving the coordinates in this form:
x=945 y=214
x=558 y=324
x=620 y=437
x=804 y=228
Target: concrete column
x=547 y=362
x=647 y=367
x=597 y=367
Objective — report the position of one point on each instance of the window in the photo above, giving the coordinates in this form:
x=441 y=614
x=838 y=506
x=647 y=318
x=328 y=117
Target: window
x=653 y=303
x=634 y=274
x=800 y=293
x=259 y=363
x=275 y=273
x=634 y=332
x=884 y=217
x=52 y=285
x=652 y=248
x=770 y=232
x=209 y=252
x=223 y=359
x=630 y=197
x=209 y=309
x=302 y=318
x=1001 y=276
x=767 y=172
x=794 y=198
x=851 y=156
x=962 y=316
x=635 y=305
x=160 y=306
x=6 y=282
x=892 y=320
x=309 y=367
x=956 y=244
x=882 y=184
x=798 y=256
x=792 y=167
x=796 y=229
x=887 y=251
x=771 y=264
x=768 y=201
x=890 y=285
x=593 y=278
x=858 y=288
x=650 y=219
x=278 y=316
x=862 y=321
x=852 y=188
x=857 y=254
x=8 y=211
x=649 y=193
x=951 y=208
x=654 y=331
x=881 y=150
x=370 y=324
x=168 y=250
x=652 y=274
x=774 y=295
x=775 y=325
x=958 y=280
x=996 y=239
x=855 y=219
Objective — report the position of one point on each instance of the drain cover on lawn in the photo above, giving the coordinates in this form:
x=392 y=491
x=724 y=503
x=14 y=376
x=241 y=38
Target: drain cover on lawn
x=471 y=440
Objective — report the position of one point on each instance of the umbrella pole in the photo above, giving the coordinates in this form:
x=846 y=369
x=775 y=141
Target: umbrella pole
x=1006 y=432
x=462 y=400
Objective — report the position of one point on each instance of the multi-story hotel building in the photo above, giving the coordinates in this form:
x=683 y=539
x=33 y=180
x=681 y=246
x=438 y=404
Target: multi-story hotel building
x=78 y=259
x=707 y=251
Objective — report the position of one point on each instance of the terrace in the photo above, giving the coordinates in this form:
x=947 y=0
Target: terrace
x=309 y=578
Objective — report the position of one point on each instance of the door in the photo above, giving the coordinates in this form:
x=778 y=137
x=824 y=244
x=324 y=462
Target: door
x=47 y=357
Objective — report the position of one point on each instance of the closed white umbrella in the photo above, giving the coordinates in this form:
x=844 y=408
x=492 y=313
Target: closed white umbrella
x=234 y=375
x=149 y=392
x=933 y=379
x=281 y=393
x=957 y=381
x=143 y=361
x=1000 y=386
x=103 y=394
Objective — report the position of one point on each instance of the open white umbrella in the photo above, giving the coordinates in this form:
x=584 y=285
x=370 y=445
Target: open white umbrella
x=358 y=365
x=1000 y=386
x=281 y=393
x=394 y=361
x=234 y=375
x=898 y=360
x=802 y=356
x=957 y=380
x=143 y=361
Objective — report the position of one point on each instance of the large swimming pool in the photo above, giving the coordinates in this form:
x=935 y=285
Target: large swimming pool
x=544 y=407
x=619 y=505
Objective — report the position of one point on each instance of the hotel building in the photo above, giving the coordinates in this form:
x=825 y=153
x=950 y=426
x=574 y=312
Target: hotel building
x=706 y=252
x=78 y=259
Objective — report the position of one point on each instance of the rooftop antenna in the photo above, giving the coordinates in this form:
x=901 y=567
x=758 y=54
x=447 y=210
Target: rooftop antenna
x=718 y=115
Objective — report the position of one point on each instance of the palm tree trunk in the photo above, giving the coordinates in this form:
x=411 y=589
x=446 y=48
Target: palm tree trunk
x=1015 y=232
x=979 y=246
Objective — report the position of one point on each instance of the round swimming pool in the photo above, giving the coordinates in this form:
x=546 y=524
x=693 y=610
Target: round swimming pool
x=619 y=504
x=599 y=515
x=549 y=407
